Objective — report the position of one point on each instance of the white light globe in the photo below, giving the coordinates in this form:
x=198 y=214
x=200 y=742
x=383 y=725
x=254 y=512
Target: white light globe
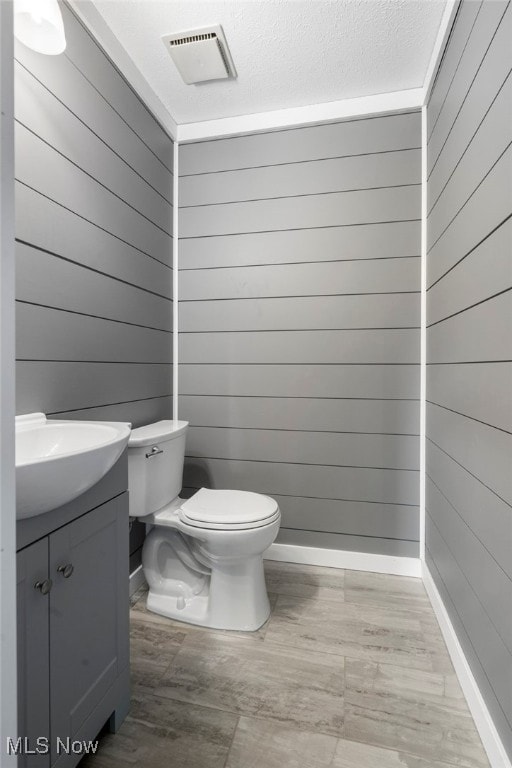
x=38 y=25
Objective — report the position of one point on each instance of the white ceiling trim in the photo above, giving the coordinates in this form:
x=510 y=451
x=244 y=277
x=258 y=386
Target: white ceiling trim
x=262 y=121
x=443 y=34
x=294 y=116
x=93 y=20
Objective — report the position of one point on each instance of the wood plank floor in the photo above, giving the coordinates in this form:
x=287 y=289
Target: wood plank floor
x=350 y=671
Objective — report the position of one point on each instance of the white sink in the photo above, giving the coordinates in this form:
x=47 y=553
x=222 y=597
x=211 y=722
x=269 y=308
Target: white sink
x=56 y=461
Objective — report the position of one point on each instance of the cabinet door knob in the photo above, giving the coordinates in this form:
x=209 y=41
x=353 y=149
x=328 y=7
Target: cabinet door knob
x=66 y=570
x=43 y=586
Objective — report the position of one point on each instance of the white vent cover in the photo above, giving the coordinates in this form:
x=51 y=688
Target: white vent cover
x=201 y=54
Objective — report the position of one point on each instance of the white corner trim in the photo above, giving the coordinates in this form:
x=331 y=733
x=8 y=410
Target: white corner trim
x=96 y=24
x=298 y=116
x=423 y=329
x=337 y=558
x=443 y=33
x=8 y=644
x=137 y=580
x=175 y=276
x=490 y=738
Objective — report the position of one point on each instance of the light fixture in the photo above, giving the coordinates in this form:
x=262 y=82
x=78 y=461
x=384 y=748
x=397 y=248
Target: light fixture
x=38 y=25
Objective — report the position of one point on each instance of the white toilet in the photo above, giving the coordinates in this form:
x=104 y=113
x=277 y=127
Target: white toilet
x=203 y=560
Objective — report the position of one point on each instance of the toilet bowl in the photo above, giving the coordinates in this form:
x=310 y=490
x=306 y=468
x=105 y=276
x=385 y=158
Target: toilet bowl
x=203 y=557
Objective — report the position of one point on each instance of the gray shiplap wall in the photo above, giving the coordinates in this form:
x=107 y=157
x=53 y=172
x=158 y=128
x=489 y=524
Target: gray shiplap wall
x=94 y=240
x=469 y=319
x=299 y=315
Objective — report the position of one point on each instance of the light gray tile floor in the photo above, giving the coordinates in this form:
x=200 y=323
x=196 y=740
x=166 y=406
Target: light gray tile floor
x=350 y=671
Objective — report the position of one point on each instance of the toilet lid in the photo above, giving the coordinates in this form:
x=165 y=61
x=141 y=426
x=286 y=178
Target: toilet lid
x=228 y=508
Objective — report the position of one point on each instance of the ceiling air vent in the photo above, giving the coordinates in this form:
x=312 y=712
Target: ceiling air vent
x=201 y=54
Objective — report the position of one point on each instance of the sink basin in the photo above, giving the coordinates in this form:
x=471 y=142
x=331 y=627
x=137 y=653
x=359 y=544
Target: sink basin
x=56 y=461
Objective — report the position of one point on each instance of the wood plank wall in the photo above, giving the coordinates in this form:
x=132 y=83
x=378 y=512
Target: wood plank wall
x=298 y=318
x=469 y=318
x=94 y=240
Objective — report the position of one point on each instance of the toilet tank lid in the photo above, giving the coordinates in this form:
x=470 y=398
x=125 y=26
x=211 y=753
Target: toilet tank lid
x=160 y=431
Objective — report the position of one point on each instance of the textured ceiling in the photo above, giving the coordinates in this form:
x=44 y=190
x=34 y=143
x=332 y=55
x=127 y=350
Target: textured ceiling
x=288 y=53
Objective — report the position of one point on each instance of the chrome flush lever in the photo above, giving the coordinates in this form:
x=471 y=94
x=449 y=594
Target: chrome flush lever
x=154 y=452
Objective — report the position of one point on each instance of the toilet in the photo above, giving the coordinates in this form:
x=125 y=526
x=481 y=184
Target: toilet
x=203 y=558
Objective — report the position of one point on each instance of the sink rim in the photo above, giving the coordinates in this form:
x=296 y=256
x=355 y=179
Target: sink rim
x=28 y=422
x=113 y=434
x=45 y=483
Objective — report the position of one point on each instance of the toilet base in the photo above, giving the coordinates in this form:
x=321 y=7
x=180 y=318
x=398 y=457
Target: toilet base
x=235 y=599
x=192 y=611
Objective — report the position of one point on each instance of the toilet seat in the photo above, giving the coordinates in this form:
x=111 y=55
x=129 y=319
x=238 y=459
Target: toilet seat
x=228 y=510
x=231 y=527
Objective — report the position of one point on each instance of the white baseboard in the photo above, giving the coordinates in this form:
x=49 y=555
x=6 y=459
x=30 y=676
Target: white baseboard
x=336 y=558
x=490 y=738
x=137 y=580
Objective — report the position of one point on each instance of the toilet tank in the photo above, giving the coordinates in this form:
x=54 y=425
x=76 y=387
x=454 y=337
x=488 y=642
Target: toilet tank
x=155 y=465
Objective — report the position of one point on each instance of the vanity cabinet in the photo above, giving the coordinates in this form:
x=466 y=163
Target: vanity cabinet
x=73 y=634
x=33 y=651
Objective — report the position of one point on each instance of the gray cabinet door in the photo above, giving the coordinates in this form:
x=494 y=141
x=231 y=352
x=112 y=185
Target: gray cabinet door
x=88 y=614
x=33 y=654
